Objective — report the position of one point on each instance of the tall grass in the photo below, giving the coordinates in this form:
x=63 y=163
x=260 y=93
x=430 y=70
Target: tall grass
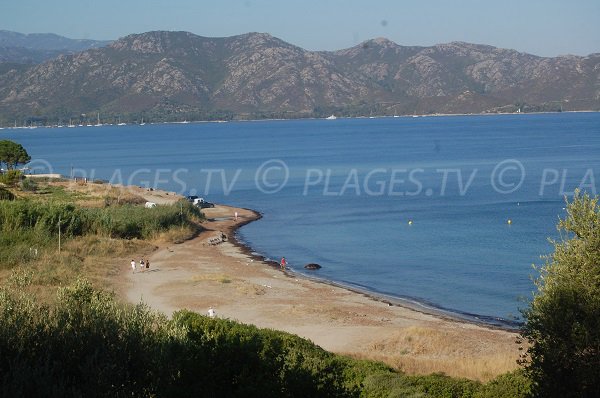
x=27 y=225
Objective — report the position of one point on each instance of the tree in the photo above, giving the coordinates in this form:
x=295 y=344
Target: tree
x=563 y=320
x=13 y=154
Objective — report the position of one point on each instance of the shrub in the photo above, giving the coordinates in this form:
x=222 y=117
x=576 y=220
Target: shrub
x=510 y=385
x=29 y=185
x=399 y=385
x=242 y=360
x=562 y=323
x=11 y=177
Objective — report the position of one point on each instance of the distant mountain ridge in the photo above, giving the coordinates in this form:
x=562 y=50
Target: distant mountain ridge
x=39 y=47
x=178 y=75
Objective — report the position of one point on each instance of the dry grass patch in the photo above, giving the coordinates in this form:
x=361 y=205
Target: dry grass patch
x=221 y=278
x=97 y=258
x=178 y=235
x=421 y=350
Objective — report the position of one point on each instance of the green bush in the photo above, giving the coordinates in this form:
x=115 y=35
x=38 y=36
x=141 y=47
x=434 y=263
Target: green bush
x=563 y=322
x=29 y=185
x=11 y=177
x=510 y=385
x=242 y=360
x=87 y=345
x=436 y=385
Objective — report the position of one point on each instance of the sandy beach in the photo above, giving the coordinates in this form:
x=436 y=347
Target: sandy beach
x=209 y=271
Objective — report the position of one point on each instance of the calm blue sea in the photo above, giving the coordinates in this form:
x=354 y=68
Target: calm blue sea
x=415 y=208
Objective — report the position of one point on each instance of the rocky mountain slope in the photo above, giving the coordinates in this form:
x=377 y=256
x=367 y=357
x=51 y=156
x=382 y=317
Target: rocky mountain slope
x=178 y=75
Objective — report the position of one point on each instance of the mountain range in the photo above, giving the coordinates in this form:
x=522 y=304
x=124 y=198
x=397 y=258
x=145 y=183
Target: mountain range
x=35 y=48
x=173 y=76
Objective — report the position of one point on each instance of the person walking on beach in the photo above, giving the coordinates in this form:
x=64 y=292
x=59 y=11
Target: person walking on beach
x=283 y=263
x=133 y=266
x=142 y=265
x=235 y=216
x=147 y=263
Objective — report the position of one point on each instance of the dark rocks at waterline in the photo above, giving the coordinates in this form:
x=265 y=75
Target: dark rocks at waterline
x=312 y=266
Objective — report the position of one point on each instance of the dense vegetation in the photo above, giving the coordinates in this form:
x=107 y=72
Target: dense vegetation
x=88 y=344
x=26 y=224
x=563 y=322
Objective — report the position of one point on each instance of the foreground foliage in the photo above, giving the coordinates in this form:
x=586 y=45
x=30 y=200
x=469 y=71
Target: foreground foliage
x=563 y=322
x=88 y=344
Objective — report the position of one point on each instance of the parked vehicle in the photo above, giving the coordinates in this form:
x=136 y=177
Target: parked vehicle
x=203 y=204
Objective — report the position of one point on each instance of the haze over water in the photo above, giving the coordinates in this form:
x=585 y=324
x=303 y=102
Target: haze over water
x=411 y=207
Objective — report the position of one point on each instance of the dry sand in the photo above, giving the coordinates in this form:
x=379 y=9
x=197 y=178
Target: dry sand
x=199 y=274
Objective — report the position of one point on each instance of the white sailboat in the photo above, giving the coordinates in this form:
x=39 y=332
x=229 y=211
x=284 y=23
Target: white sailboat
x=332 y=117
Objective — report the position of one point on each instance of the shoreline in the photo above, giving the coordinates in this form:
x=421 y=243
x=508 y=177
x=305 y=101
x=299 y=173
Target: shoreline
x=306 y=118
x=223 y=273
x=409 y=303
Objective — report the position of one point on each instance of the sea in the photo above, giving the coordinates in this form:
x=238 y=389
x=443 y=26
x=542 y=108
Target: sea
x=449 y=213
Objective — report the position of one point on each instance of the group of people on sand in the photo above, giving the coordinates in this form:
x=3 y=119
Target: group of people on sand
x=144 y=264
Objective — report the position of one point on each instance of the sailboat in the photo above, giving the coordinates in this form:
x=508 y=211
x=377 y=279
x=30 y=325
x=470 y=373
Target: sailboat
x=98 y=124
x=142 y=123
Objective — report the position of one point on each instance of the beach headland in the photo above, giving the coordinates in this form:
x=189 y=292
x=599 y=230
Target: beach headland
x=215 y=270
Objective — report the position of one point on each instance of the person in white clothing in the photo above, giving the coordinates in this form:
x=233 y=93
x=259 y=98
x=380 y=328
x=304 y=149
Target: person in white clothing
x=211 y=312
x=133 y=266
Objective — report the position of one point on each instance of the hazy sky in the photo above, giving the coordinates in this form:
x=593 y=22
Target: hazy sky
x=541 y=27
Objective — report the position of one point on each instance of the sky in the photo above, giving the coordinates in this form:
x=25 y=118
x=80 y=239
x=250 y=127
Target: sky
x=546 y=28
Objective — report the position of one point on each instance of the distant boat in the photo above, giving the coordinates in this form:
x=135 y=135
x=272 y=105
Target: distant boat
x=332 y=117
x=142 y=123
